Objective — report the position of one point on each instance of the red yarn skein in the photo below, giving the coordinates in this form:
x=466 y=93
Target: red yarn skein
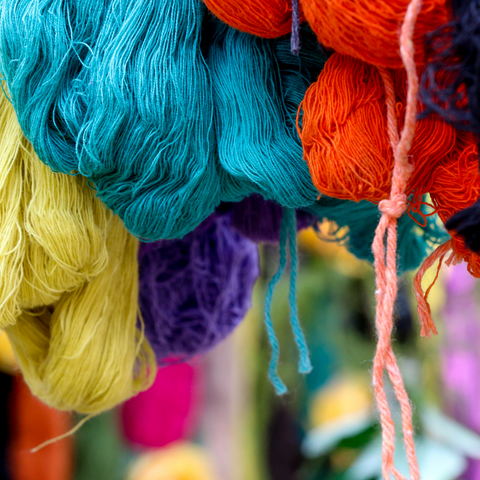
x=345 y=137
x=369 y=29
x=267 y=18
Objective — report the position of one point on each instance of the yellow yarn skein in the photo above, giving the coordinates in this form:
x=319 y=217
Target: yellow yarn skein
x=68 y=284
x=85 y=353
x=12 y=240
x=66 y=226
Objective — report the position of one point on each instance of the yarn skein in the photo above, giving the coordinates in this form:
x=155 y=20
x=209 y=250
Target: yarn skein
x=451 y=87
x=344 y=133
x=265 y=19
x=368 y=29
x=84 y=353
x=53 y=235
x=90 y=96
x=384 y=248
x=71 y=274
x=196 y=290
x=253 y=91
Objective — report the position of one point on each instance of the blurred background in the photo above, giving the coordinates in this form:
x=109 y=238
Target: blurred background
x=218 y=417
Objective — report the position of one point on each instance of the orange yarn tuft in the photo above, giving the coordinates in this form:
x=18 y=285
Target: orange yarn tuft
x=267 y=19
x=455 y=186
x=369 y=29
x=345 y=137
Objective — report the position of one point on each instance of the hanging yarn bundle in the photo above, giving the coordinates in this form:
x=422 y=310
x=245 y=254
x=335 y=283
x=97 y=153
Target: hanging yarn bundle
x=256 y=143
x=265 y=19
x=70 y=272
x=89 y=93
x=368 y=29
x=344 y=133
x=451 y=87
x=196 y=290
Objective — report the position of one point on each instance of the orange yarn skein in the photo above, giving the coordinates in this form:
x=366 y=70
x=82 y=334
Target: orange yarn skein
x=267 y=19
x=369 y=29
x=344 y=133
x=455 y=186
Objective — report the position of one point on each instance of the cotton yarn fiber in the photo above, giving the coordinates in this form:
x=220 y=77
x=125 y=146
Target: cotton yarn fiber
x=257 y=141
x=90 y=95
x=345 y=137
x=259 y=219
x=269 y=19
x=69 y=277
x=369 y=29
x=195 y=291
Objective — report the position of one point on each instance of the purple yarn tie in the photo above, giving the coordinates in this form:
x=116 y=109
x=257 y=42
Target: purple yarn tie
x=295 y=38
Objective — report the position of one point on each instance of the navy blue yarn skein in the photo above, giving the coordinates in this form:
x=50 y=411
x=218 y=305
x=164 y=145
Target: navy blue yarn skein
x=451 y=87
x=119 y=91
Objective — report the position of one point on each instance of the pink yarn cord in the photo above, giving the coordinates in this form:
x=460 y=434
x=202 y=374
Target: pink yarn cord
x=385 y=261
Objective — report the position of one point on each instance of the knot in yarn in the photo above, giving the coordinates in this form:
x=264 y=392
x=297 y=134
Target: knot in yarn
x=395 y=206
x=345 y=137
x=368 y=29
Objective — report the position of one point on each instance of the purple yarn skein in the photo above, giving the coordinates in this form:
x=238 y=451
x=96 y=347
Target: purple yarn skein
x=259 y=219
x=196 y=290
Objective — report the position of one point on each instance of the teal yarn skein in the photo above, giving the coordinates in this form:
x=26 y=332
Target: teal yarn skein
x=257 y=87
x=119 y=91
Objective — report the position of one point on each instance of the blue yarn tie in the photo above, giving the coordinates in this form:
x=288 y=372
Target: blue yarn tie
x=272 y=338
x=304 y=365
x=288 y=231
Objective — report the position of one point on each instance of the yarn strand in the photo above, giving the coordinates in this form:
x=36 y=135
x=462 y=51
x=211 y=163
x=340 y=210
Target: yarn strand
x=385 y=261
x=280 y=387
x=304 y=365
x=423 y=308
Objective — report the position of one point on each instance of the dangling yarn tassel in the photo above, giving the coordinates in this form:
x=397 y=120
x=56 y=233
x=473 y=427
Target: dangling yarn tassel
x=288 y=232
x=423 y=308
x=385 y=261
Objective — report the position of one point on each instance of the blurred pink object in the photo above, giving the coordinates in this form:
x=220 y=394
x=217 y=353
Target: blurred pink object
x=167 y=411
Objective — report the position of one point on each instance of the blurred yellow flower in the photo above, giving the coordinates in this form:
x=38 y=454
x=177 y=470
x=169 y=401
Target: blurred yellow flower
x=179 y=461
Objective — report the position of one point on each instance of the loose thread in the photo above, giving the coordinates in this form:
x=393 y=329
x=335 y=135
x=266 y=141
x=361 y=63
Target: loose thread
x=423 y=308
x=272 y=369
x=385 y=261
x=65 y=435
x=304 y=365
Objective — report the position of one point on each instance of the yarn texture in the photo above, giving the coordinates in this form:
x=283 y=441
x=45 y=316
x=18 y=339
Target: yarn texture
x=369 y=29
x=195 y=291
